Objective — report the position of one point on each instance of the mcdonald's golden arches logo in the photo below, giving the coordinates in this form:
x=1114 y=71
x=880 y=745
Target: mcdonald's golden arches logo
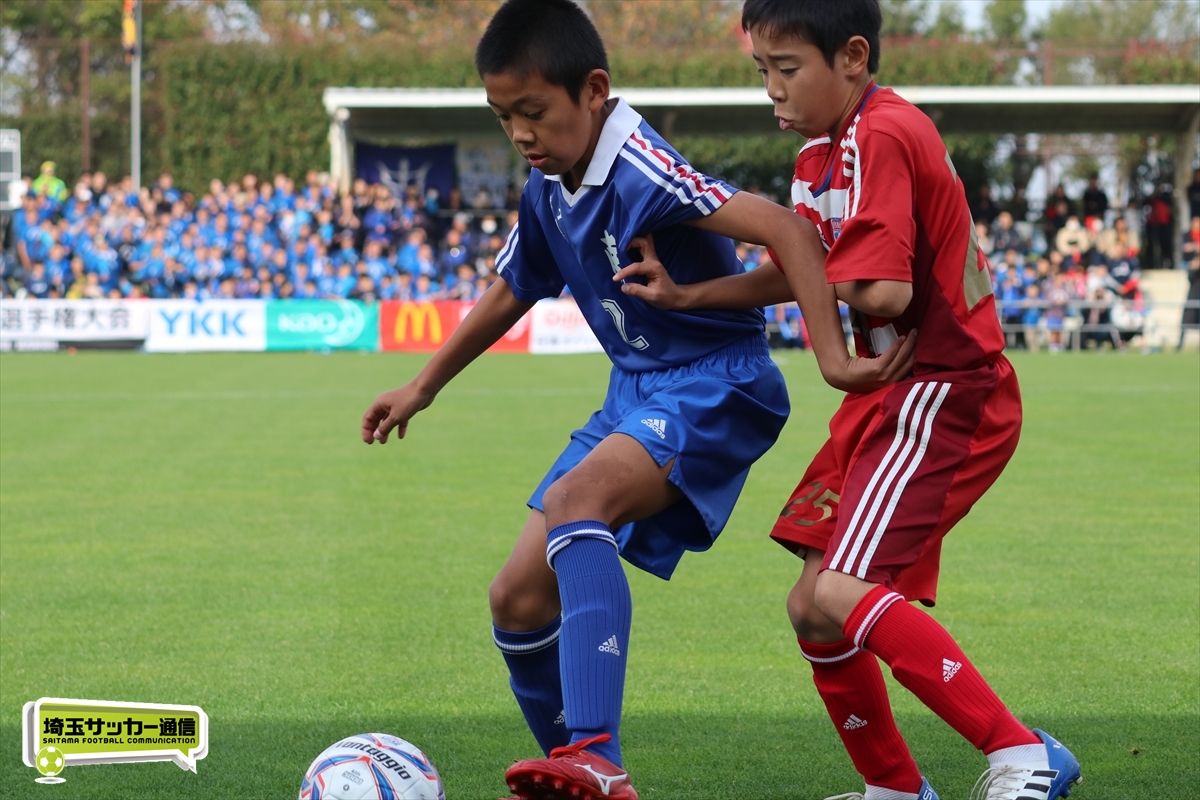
x=422 y=319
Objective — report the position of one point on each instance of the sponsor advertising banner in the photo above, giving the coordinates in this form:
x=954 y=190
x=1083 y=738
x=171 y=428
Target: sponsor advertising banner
x=422 y=327
x=180 y=326
x=47 y=324
x=322 y=325
x=559 y=327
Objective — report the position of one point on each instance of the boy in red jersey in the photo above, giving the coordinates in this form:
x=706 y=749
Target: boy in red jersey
x=904 y=463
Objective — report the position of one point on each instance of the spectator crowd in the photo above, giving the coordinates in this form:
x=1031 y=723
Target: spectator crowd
x=249 y=238
x=1078 y=268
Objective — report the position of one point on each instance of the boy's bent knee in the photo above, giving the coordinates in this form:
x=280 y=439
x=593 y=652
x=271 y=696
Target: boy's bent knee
x=807 y=620
x=568 y=499
x=618 y=482
x=837 y=594
x=520 y=605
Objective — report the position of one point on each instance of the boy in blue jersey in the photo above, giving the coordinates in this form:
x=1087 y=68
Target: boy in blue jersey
x=693 y=399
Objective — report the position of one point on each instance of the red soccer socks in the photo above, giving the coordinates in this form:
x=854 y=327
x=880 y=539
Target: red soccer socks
x=851 y=684
x=928 y=662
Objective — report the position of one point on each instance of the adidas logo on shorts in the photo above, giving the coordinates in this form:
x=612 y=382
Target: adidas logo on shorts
x=611 y=646
x=949 y=669
x=561 y=719
x=659 y=426
x=854 y=723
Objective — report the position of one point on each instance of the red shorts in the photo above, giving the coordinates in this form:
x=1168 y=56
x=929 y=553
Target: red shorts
x=902 y=465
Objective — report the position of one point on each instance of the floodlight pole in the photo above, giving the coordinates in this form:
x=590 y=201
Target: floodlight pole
x=135 y=111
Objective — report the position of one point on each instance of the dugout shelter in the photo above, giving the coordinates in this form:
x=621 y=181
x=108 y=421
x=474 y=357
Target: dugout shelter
x=422 y=116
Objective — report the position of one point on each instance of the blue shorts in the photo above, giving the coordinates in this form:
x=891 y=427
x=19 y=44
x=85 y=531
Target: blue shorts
x=715 y=417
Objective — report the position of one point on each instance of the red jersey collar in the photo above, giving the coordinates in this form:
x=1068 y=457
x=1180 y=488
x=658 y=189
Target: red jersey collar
x=872 y=87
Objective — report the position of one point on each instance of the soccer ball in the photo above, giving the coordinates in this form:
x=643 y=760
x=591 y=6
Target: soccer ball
x=50 y=761
x=372 y=766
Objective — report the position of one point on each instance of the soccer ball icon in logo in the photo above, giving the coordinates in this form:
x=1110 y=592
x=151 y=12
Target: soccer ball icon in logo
x=50 y=761
x=372 y=766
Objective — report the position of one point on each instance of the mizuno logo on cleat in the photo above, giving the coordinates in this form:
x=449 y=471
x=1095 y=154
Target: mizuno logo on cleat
x=610 y=646
x=949 y=669
x=659 y=426
x=606 y=781
x=854 y=723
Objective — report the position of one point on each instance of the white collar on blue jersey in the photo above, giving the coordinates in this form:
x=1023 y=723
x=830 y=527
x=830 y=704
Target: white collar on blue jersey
x=622 y=122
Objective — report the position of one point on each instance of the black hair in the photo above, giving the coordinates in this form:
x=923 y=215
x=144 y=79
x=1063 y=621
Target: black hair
x=553 y=38
x=825 y=24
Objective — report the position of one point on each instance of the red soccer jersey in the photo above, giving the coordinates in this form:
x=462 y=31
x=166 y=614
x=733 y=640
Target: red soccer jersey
x=890 y=206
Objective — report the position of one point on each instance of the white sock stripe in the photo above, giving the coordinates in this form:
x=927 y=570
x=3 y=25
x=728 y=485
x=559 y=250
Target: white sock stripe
x=903 y=482
x=584 y=532
x=902 y=426
x=831 y=660
x=532 y=647
x=872 y=617
x=587 y=533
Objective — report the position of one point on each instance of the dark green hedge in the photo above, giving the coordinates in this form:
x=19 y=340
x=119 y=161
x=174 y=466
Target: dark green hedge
x=246 y=108
x=56 y=137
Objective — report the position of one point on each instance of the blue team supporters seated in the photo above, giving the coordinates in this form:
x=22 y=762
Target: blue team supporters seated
x=248 y=239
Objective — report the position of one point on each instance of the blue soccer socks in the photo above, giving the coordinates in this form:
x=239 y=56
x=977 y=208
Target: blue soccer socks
x=594 y=641
x=532 y=659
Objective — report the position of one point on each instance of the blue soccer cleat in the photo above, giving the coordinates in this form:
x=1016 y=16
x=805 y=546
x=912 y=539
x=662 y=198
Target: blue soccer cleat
x=1063 y=762
x=1032 y=782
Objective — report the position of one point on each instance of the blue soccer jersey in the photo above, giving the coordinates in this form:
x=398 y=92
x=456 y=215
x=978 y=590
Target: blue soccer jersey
x=636 y=184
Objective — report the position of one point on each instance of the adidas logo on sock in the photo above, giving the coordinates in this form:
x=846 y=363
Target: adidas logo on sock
x=611 y=646
x=854 y=723
x=561 y=719
x=949 y=669
x=659 y=426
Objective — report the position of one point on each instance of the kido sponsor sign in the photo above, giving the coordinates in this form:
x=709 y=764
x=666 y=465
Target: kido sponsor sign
x=180 y=326
x=322 y=325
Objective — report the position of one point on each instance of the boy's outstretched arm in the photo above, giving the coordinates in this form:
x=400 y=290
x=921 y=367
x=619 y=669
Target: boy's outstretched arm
x=749 y=218
x=496 y=312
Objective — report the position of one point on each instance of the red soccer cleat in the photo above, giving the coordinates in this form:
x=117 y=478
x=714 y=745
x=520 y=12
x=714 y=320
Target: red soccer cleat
x=570 y=773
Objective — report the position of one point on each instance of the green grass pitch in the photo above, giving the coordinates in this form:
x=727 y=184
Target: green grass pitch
x=209 y=530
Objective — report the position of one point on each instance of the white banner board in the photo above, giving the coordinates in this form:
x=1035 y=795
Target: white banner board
x=559 y=327
x=187 y=326
x=45 y=324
